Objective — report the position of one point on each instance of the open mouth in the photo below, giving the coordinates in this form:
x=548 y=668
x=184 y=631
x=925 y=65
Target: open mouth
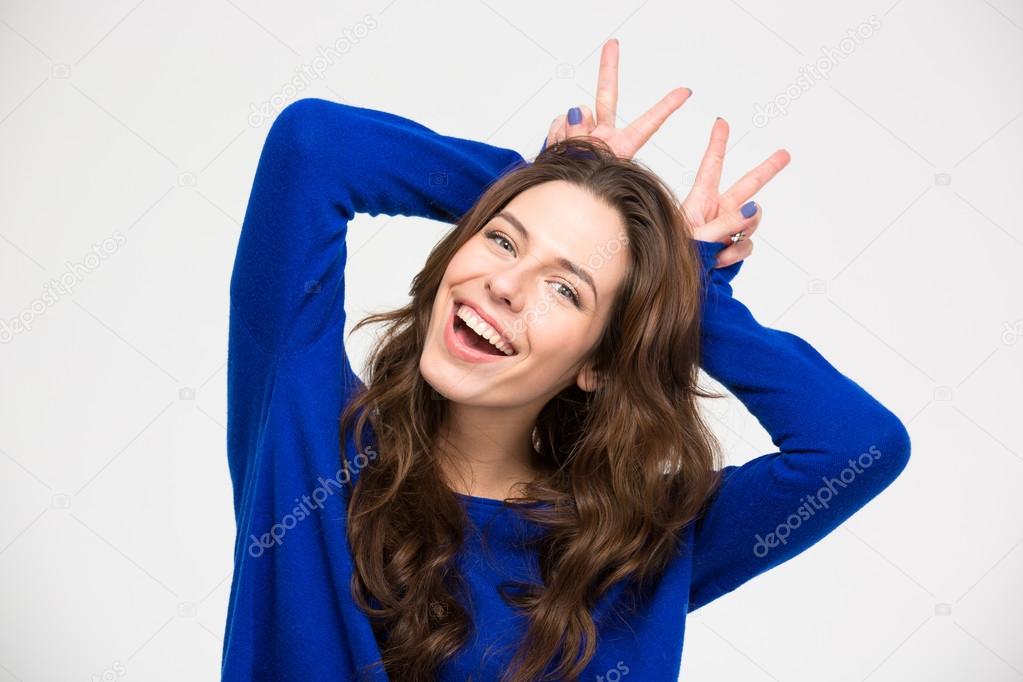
x=473 y=339
x=470 y=338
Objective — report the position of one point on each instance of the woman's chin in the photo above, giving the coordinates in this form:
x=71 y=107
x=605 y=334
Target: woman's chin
x=449 y=381
x=442 y=377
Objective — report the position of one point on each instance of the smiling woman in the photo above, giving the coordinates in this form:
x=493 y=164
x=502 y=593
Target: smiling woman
x=544 y=499
x=598 y=367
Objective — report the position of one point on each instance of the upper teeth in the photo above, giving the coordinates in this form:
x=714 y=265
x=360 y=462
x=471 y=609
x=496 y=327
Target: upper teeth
x=483 y=328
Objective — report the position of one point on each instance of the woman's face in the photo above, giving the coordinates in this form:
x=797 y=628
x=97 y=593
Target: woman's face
x=517 y=271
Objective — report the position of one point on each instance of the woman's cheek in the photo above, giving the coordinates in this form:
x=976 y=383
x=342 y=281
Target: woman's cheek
x=554 y=341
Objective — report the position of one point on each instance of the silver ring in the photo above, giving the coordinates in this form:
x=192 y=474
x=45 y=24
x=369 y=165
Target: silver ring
x=738 y=237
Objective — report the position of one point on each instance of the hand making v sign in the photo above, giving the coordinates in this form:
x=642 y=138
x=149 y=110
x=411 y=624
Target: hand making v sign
x=712 y=216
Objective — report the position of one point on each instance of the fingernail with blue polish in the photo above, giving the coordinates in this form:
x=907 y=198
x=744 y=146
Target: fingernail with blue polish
x=748 y=209
x=575 y=116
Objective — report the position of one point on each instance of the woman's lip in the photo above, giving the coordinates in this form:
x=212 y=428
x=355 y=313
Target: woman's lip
x=460 y=350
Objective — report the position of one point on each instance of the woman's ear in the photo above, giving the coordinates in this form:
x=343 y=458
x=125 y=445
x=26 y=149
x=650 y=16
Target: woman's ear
x=588 y=379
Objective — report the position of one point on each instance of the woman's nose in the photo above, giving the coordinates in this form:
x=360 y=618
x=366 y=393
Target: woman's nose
x=509 y=286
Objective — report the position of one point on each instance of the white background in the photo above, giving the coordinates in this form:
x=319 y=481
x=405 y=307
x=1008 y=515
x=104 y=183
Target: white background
x=892 y=243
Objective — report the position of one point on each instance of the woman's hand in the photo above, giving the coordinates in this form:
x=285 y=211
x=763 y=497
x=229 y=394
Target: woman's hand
x=625 y=142
x=715 y=217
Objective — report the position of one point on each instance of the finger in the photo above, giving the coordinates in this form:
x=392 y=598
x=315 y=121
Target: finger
x=734 y=253
x=731 y=222
x=556 y=130
x=640 y=130
x=552 y=130
x=607 y=84
x=708 y=175
x=561 y=131
x=589 y=122
x=694 y=217
x=750 y=184
x=549 y=138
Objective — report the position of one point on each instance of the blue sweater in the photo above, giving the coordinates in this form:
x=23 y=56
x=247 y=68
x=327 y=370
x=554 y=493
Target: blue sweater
x=291 y=615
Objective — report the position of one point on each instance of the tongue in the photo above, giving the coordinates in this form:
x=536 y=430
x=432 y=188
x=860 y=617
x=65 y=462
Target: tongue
x=476 y=341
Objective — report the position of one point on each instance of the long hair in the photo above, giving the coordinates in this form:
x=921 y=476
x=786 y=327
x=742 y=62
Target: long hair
x=625 y=467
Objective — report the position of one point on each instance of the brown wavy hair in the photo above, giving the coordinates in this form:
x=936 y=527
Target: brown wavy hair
x=624 y=468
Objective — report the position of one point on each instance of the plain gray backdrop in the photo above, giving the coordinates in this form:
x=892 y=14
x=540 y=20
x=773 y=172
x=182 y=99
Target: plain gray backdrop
x=130 y=132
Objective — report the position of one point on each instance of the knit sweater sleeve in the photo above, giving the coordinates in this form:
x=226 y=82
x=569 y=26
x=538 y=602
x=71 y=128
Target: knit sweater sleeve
x=838 y=447
x=322 y=163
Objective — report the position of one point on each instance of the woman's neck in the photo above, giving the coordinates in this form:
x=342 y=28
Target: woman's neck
x=487 y=455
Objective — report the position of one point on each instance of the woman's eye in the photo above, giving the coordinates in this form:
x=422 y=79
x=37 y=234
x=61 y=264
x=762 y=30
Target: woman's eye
x=569 y=293
x=498 y=237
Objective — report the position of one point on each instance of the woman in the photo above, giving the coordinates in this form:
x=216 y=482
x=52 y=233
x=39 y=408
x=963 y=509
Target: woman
x=524 y=487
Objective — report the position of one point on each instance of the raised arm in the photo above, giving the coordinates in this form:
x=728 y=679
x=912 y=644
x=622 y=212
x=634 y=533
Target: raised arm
x=322 y=163
x=838 y=446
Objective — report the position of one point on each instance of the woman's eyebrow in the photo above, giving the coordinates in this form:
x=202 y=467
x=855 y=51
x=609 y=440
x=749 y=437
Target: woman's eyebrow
x=562 y=262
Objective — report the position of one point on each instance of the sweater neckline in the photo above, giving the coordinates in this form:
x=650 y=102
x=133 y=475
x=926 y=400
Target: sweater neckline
x=480 y=500
x=490 y=501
